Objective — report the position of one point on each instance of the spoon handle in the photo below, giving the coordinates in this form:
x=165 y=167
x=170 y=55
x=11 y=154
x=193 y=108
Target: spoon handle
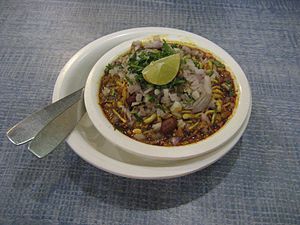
x=57 y=130
x=28 y=128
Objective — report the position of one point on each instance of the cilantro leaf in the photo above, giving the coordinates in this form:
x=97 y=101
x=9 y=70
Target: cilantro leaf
x=218 y=64
x=137 y=117
x=108 y=67
x=167 y=49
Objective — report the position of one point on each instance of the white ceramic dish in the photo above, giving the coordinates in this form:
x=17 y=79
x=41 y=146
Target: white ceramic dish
x=93 y=148
x=160 y=152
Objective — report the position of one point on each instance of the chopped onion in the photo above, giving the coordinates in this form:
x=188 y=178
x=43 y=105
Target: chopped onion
x=215 y=75
x=195 y=95
x=134 y=88
x=201 y=103
x=175 y=140
x=205 y=118
x=154 y=45
x=156 y=126
x=148 y=90
x=212 y=104
x=180 y=123
x=187 y=50
x=165 y=99
x=156 y=92
x=174 y=97
x=194 y=52
x=176 y=107
x=207 y=85
x=160 y=113
x=135 y=103
x=137 y=45
x=105 y=91
x=139 y=137
x=138 y=97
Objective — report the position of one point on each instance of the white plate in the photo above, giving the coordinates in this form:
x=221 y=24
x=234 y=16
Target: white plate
x=93 y=148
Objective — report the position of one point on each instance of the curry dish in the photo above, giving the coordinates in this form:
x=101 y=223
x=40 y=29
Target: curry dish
x=194 y=105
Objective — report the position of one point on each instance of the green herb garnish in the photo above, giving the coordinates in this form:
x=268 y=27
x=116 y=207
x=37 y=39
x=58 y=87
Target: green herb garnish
x=113 y=92
x=167 y=49
x=199 y=65
x=158 y=105
x=209 y=72
x=231 y=92
x=140 y=59
x=177 y=81
x=108 y=67
x=218 y=64
x=128 y=80
x=151 y=98
x=119 y=128
x=137 y=117
x=140 y=79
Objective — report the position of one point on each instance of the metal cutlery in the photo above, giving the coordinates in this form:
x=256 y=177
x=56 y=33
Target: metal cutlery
x=57 y=130
x=49 y=126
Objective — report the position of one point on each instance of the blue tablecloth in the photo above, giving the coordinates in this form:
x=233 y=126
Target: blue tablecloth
x=257 y=182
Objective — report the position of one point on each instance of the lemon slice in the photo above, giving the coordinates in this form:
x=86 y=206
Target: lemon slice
x=162 y=71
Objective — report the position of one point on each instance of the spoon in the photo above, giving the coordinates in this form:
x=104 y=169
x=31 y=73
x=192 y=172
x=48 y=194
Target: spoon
x=57 y=130
x=54 y=122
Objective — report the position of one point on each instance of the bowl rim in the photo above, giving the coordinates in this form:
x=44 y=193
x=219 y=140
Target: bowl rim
x=173 y=152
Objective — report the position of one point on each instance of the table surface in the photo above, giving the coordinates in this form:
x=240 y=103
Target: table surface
x=257 y=182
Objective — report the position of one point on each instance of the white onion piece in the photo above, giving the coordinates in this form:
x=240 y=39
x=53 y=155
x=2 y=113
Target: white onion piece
x=166 y=99
x=187 y=50
x=160 y=112
x=176 y=107
x=207 y=85
x=137 y=45
x=195 y=95
x=181 y=123
x=138 y=97
x=194 y=52
x=205 y=118
x=174 y=97
x=135 y=103
x=127 y=112
x=215 y=75
x=105 y=91
x=135 y=88
x=175 y=140
x=148 y=90
x=199 y=72
x=139 y=137
x=212 y=104
x=154 y=45
x=201 y=103
x=142 y=111
x=156 y=92
x=156 y=126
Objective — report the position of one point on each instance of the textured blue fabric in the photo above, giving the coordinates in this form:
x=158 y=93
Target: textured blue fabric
x=258 y=182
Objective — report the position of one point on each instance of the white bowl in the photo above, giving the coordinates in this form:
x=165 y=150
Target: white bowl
x=160 y=152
